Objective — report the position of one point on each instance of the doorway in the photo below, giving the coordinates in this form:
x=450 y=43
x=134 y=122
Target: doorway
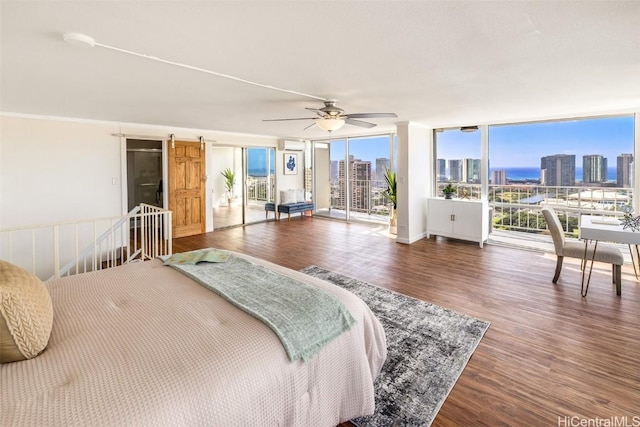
x=243 y=181
x=144 y=173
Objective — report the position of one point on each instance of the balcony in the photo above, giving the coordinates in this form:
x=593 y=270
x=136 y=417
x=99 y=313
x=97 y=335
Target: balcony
x=516 y=217
x=365 y=201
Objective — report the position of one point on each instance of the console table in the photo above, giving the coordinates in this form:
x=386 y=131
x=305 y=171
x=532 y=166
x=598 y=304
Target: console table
x=458 y=218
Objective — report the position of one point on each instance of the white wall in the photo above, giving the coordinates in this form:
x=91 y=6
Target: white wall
x=53 y=171
x=56 y=170
x=288 y=182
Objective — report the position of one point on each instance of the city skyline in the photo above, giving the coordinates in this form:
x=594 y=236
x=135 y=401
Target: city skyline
x=554 y=170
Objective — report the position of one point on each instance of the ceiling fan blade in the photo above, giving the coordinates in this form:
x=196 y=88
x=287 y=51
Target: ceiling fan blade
x=310 y=126
x=359 y=123
x=281 y=120
x=317 y=111
x=371 y=115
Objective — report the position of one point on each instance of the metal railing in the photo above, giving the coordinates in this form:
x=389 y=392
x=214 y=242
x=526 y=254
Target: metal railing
x=365 y=196
x=260 y=188
x=517 y=206
x=63 y=249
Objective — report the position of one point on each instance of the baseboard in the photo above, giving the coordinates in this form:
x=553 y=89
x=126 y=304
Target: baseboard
x=412 y=239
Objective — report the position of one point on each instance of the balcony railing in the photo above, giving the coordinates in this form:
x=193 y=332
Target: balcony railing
x=261 y=188
x=517 y=207
x=365 y=198
x=514 y=207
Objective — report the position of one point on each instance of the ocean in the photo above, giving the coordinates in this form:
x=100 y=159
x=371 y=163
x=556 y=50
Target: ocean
x=523 y=174
x=259 y=172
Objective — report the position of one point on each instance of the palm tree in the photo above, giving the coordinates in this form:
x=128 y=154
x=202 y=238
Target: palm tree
x=391 y=191
x=229 y=182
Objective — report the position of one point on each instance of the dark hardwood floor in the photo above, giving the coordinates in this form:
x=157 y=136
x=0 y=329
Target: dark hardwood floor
x=548 y=354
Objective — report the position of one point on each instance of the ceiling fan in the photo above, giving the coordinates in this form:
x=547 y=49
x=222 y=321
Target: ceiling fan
x=331 y=117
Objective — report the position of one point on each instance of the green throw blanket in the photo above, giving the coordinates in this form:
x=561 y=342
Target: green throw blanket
x=304 y=317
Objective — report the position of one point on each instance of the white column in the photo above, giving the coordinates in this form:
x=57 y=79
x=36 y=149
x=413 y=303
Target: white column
x=415 y=177
x=484 y=162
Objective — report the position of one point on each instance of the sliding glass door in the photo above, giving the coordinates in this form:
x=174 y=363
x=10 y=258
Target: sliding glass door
x=349 y=176
x=243 y=181
x=260 y=182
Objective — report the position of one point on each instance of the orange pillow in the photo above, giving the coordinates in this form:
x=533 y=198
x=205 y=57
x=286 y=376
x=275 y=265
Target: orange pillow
x=26 y=314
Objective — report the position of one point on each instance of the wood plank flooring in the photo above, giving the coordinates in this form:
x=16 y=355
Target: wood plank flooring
x=548 y=354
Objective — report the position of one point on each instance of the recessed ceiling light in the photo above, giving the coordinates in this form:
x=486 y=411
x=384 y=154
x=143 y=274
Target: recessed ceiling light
x=79 y=40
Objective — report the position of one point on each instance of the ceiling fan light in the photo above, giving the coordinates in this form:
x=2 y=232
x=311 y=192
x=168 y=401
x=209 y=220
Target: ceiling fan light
x=330 y=124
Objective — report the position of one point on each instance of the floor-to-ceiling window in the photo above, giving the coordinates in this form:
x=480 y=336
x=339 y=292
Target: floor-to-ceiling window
x=458 y=161
x=575 y=165
x=354 y=169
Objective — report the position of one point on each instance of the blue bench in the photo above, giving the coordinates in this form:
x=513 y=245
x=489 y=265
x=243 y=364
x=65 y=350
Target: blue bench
x=269 y=207
x=290 y=208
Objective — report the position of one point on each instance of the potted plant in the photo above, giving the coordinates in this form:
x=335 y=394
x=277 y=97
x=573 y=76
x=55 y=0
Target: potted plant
x=448 y=191
x=392 y=194
x=229 y=182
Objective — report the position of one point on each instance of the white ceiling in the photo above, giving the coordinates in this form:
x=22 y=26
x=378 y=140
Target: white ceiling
x=440 y=63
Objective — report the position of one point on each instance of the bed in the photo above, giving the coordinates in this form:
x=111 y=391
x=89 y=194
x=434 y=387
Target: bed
x=143 y=344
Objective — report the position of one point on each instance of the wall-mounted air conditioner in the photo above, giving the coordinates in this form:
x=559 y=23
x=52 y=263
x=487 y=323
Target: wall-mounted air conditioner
x=284 y=145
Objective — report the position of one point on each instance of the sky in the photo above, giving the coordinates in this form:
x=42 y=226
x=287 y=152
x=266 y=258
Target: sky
x=369 y=148
x=257 y=158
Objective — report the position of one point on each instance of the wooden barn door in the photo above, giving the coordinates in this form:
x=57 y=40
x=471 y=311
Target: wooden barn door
x=187 y=188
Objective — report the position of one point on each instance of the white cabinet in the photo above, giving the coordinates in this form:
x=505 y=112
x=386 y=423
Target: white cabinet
x=460 y=219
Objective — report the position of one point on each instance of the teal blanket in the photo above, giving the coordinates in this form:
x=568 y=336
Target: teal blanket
x=304 y=317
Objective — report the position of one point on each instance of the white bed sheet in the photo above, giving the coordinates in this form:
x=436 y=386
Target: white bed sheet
x=143 y=344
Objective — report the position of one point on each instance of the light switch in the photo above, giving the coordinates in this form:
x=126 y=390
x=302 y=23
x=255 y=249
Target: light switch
x=114 y=181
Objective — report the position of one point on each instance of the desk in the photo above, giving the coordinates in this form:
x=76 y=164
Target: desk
x=606 y=229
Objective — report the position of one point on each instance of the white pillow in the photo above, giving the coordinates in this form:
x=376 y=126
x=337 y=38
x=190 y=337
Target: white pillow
x=300 y=195
x=288 y=196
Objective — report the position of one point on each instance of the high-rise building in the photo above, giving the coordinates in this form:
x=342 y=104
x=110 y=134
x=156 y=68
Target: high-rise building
x=441 y=169
x=499 y=177
x=359 y=185
x=624 y=170
x=334 y=174
x=382 y=164
x=455 y=170
x=594 y=169
x=558 y=170
x=471 y=170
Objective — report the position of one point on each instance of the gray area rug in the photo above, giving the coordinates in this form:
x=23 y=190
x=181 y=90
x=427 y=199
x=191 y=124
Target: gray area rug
x=427 y=349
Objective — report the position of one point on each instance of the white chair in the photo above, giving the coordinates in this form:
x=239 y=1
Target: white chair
x=604 y=253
